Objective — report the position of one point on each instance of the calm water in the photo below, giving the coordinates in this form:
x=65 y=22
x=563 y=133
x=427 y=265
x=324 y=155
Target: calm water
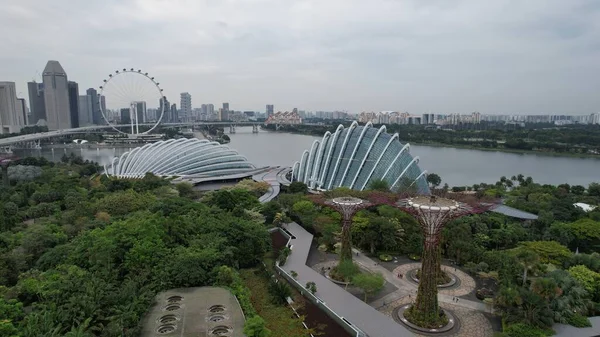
x=456 y=166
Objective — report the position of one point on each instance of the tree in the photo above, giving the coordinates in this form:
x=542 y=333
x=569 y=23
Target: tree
x=311 y=286
x=255 y=327
x=590 y=280
x=298 y=187
x=528 y=260
x=369 y=283
x=434 y=180
x=379 y=185
x=548 y=251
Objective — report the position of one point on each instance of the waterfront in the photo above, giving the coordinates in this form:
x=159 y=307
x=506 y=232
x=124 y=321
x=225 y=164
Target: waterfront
x=457 y=167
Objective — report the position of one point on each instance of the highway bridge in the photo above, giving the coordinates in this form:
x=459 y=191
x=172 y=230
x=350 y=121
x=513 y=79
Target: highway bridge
x=59 y=133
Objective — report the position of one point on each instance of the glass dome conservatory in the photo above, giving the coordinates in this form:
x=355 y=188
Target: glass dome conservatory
x=356 y=156
x=181 y=158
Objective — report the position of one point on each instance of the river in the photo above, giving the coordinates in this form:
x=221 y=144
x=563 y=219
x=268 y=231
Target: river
x=456 y=167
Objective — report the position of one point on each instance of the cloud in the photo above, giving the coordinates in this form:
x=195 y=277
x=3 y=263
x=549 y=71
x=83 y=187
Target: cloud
x=501 y=56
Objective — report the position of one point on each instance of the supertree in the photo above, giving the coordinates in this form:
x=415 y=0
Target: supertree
x=433 y=213
x=347 y=207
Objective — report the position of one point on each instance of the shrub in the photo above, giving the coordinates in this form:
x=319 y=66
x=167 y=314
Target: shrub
x=293 y=273
x=525 y=330
x=283 y=255
x=484 y=293
x=579 y=321
x=312 y=287
x=414 y=257
x=280 y=291
x=385 y=257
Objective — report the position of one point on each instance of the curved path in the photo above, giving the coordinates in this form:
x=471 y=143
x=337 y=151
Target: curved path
x=346 y=305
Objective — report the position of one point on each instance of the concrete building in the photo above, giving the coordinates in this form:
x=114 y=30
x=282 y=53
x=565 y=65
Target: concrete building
x=140 y=110
x=11 y=117
x=56 y=96
x=85 y=110
x=125 y=116
x=270 y=110
x=594 y=118
x=24 y=111
x=164 y=107
x=74 y=103
x=185 y=106
x=226 y=106
x=94 y=108
x=36 y=102
x=174 y=118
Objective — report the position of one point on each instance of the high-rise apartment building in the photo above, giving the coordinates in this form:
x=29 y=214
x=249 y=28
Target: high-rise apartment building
x=36 y=102
x=594 y=118
x=185 y=106
x=74 y=103
x=11 y=118
x=226 y=106
x=270 y=110
x=56 y=96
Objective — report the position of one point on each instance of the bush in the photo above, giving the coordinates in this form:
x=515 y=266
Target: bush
x=579 y=321
x=283 y=255
x=280 y=291
x=524 y=330
x=484 y=293
x=414 y=257
x=385 y=257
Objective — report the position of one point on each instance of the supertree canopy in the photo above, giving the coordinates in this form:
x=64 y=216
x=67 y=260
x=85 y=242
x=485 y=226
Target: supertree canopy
x=347 y=207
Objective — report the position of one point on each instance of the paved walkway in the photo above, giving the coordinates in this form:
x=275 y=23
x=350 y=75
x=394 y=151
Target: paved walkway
x=406 y=287
x=357 y=312
x=272 y=177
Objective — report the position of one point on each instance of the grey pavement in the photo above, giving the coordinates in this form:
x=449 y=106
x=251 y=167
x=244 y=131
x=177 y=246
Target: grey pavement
x=406 y=287
x=357 y=312
x=270 y=176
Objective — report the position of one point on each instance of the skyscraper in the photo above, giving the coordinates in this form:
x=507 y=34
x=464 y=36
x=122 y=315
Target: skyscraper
x=23 y=110
x=140 y=110
x=56 y=96
x=226 y=106
x=85 y=110
x=95 y=112
x=173 y=118
x=210 y=109
x=36 y=101
x=165 y=106
x=185 y=106
x=74 y=103
x=11 y=118
x=125 y=116
x=270 y=108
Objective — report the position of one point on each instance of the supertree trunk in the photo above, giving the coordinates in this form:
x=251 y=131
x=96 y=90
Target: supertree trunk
x=346 y=249
x=426 y=306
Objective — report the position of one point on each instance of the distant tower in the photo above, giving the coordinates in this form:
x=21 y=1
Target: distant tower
x=270 y=110
x=74 y=103
x=11 y=117
x=185 y=106
x=174 y=118
x=56 y=96
x=36 y=102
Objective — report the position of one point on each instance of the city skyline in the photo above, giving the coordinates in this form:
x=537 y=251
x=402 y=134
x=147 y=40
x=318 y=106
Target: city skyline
x=535 y=57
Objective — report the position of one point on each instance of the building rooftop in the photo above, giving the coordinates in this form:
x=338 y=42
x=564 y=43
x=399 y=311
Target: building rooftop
x=585 y=207
x=514 y=213
x=194 y=312
x=54 y=67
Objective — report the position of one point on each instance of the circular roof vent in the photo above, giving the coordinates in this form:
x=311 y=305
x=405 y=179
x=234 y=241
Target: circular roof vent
x=217 y=308
x=166 y=328
x=216 y=318
x=174 y=299
x=172 y=307
x=168 y=319
x=220 y=331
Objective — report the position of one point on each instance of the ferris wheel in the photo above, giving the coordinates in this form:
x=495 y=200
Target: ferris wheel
x=132 y=97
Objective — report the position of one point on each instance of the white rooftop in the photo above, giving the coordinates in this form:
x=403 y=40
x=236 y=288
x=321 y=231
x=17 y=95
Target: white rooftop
x=585 y=207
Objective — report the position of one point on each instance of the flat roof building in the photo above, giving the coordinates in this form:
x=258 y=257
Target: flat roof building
x=195 y=312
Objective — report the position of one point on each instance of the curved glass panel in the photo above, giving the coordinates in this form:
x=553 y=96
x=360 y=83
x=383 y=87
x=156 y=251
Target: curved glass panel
x=354 y=157
x=179 y=157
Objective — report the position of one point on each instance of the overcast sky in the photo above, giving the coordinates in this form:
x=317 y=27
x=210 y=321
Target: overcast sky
x=444 y=56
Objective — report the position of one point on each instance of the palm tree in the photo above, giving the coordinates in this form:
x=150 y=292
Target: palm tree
x=528 y=260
